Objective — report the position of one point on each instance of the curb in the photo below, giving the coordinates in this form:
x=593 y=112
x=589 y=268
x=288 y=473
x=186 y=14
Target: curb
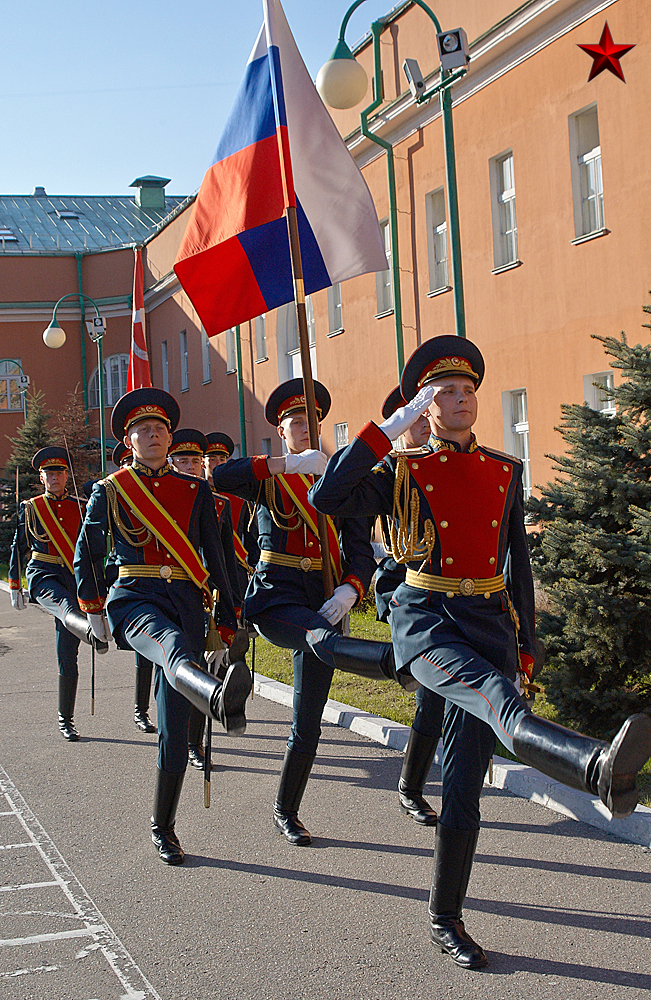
x=518 y=779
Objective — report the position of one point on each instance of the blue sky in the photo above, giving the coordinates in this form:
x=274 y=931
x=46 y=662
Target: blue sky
x=94 y=95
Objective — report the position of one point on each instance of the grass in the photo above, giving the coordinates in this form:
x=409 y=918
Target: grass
x=384 y=698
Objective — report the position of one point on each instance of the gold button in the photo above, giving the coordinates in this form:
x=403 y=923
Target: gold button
x=156 y=483
x=444 y=458
x=444 y=524
x=414 y=465
x=166 y=572
x=493 y=524
x=61 y=519
x=193 y=486
x=501 y=489
x=506 y=468
x=429 y=487
x=449 y=560
x=492 y=560
x=310 y=543
x=450 y=593
x=487 y=596
x=481 y=458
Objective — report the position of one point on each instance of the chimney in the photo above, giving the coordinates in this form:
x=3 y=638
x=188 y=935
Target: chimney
x=39 y=192
x=150 y=192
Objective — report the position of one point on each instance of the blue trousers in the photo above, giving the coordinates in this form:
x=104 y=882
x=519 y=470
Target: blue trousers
x=295 y=627
x=161 y=640
x=52 y=595
x=430 y=708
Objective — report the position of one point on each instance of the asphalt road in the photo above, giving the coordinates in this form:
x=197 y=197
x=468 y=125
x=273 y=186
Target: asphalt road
x=88 y=912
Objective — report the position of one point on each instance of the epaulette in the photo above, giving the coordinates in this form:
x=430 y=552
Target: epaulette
x=501 y=454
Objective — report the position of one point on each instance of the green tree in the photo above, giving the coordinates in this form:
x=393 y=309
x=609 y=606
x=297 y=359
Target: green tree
x=593 y=558
x=72 y=432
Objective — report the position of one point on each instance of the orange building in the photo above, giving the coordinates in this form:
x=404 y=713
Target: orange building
x=555 y=241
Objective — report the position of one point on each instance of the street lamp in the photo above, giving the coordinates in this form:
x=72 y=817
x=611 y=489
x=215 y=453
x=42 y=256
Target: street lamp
x=54 y=336
x=337 y=85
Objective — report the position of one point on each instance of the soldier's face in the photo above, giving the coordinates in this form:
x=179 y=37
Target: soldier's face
x=295 y=432
x=418 y=434
x=189 y=464
x=212 y=461
x=454 y=407
x=54 y=480
x=150 y=441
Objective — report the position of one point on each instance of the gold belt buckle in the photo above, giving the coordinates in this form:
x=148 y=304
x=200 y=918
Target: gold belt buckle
x=306 y=564
x=467 y=587
x=166 y=572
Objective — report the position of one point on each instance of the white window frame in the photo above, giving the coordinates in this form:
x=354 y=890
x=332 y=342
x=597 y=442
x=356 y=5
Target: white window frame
x=287 y=343
x=384 y=279
x=437 y=241
x=505 y=230
x=266 y=447
x=587 y=177
x=205 y=357
x=114 y=363
x=185 y=365
x=341 y=435
x=10 y=386
x=335 y=311
x=260 y=338
x=596 y=394
x=516 y=434
x=231 y=354
x=165 y=365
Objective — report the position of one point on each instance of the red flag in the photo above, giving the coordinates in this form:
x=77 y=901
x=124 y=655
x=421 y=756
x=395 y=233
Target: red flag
x=139 y=376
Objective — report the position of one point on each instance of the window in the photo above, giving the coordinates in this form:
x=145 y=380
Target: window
x=116 y=369
x=260 y=338
x=516 y=432
x=437 y=241
x=10 y=395
x=384 y=279
x=587 y=182
x=205 y=356
x=309 y=314
x=287 y=345
x=231 y=356
x=597 y=392
x=505 y=230
x=266 y=446
x=165 y=366
x=237 y=451
x=185 y=372
x=335 y=316
x=341 y=435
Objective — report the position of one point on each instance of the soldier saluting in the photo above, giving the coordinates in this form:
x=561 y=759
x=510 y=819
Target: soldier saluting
x=463 y=621
x=157 y=521
x=44 y=545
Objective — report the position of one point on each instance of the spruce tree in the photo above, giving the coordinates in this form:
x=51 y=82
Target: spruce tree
x=72 y=432
x=593 y=558
x=33 y=435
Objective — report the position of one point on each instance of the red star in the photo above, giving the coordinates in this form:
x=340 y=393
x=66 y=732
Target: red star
x=606 y=55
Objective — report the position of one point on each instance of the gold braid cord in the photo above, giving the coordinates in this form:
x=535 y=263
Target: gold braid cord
x=33 y=524
x=277 y=515
x=138 y=537
x=405 y=545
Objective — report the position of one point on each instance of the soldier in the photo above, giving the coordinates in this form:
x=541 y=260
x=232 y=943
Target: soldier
x=425 y=731
x=43 y=546
x=285 y=599
x=463 y=620
x=144 y=668
x=186 y=455
x=158 y=520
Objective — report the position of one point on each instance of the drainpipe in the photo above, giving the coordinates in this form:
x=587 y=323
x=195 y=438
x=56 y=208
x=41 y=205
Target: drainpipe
x=82 y=306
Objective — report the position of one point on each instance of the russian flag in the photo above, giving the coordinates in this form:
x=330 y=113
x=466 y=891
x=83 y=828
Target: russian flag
x=234 y=260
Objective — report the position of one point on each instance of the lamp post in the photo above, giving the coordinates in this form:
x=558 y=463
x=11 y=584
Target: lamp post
x=54 y=336
x=341 y=86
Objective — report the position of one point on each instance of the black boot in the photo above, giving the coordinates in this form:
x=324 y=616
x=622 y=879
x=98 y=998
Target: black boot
x=606 y=770
x=455 y=850
x=293 y=779
x=78 y=624
x=67 y=695
x=418 y=760
x=166 y=799
x=370 y=659
x=141 y=718
x=195 y=738
x=222 y=700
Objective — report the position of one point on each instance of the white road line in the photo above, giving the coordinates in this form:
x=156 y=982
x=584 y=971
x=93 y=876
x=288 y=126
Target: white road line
x=28 y=972
x=12 y=847
x=132 y=979
x=27 y=885
x=41 y=938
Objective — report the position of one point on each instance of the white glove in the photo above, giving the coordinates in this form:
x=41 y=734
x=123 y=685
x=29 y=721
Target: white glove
x=100 y=627
x=310 y=461
x=339 y=604
x=18 y=600
x=215 y=657
x=400 y=421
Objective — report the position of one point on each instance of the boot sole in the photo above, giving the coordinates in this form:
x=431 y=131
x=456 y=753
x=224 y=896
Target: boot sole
x=235 y=690
x=627 y=755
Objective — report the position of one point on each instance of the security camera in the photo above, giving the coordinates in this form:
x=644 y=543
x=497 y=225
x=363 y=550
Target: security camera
x=453 y=48
x=414 y=77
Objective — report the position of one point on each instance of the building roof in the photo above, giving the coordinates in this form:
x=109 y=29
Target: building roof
x=50 y=224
